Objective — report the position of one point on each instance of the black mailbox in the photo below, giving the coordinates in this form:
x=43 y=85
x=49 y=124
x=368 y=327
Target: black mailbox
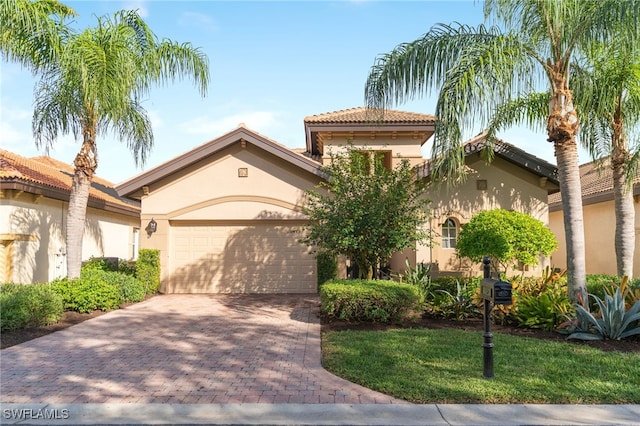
x=496 y=291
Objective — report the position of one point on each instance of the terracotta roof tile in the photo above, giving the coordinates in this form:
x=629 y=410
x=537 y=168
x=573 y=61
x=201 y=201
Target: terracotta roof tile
x=365 y=115
x=596 y=180
x=48 y=172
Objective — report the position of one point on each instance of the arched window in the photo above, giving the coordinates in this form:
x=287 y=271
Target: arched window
x=449 y=233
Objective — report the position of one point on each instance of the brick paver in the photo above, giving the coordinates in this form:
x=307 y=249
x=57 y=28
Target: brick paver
x=184 y=349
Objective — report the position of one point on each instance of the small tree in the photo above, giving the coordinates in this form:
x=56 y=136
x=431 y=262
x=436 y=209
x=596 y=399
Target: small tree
x=507 y=237
x=368 y=212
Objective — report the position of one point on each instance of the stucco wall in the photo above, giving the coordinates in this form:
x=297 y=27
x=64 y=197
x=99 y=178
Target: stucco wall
x=599 y=226
x=507 y=187
x=213 y=190
x=406 y=147
x=32 y=232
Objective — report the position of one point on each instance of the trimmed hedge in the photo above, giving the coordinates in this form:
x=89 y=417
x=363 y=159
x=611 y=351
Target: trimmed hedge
x=97 y=289
x=28 y=305
x=148 y=269
x=375 y=300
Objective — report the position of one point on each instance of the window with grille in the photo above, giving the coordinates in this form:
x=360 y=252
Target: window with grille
x=449 y=233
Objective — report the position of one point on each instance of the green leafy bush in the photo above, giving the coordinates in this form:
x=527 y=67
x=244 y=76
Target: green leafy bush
x=327 y=267
x=508 y=237
x=148 y=269
x=546 y=309
x=28 y=305
x=92 y=291
x=456 y=305
x=364 y=300
x=613 y=322
x=101 y=264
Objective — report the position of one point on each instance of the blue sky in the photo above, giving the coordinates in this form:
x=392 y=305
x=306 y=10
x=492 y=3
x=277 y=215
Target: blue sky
x=272 y=64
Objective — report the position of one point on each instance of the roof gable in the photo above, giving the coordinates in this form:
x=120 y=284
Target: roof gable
x=52 y=178
x=507 y=152
x=241 y=134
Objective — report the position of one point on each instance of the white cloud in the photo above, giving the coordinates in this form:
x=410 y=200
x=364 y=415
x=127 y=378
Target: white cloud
x=200 y=20
x=261 y=121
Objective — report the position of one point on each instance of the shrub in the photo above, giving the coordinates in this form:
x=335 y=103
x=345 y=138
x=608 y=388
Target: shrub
x=614 y=320
x=545 y=310
x=28 y=305
x=101 y=264
x=419 y=277
x=327 y=267
x=92 y=291
x=148 y=269
x=364 y=300
x=457 y=305
x=127 y=267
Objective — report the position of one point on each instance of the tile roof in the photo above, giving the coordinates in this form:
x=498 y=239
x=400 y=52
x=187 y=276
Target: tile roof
x=509 y=153
x=365 y=115
x=596 y=180
x=46 y=173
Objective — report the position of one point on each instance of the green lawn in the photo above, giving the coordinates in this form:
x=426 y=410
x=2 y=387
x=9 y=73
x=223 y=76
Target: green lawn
x=446 y=366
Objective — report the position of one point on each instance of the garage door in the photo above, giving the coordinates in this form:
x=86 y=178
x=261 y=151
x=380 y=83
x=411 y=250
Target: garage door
x=240 y=258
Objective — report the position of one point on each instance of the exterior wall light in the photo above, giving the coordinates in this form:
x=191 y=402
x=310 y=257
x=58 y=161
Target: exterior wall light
x=152 y=226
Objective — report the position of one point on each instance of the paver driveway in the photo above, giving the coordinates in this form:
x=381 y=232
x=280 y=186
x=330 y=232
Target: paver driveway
x=184 y=349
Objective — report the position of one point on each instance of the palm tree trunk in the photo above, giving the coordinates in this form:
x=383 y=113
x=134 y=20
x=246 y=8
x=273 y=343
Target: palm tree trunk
x=85 y=165
x=625 y=235
x=562 y=127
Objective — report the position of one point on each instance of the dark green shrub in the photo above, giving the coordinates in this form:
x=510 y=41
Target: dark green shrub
x=362 y=300
x=28 y=305
x=148 y=269
x=327 y=267
x=131 y=289
x=127 y=267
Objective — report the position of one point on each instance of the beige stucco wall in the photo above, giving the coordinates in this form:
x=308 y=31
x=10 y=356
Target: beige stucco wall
x=508 y=187
x=32 y=234
x=402 y=146
x=599 y=226
x=211 y=192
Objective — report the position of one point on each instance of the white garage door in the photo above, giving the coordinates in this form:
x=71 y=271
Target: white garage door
x=239 y=258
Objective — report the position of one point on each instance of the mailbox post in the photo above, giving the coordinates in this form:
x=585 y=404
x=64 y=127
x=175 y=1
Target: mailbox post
x=494 y=292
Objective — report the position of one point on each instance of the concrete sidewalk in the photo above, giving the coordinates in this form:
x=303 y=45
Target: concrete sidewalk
x=318 y=414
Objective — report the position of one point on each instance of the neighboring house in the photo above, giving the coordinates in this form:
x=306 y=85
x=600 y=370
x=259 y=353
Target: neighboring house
x=227 y=214
x=34 y=203
x=599 y=220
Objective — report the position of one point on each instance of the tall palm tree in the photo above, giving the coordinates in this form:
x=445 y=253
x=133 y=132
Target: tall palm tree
x=32 y=30
x=477 y=69
x=95 y=87
x=606 y=82
x=608 y=91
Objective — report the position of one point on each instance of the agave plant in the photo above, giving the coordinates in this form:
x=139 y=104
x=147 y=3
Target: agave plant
x=615 y=321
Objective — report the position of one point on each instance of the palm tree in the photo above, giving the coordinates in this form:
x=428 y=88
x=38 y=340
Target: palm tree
x=477 y=69
x=607 y=87
x=95 y=87
x=32 y=31
x=608 y=92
